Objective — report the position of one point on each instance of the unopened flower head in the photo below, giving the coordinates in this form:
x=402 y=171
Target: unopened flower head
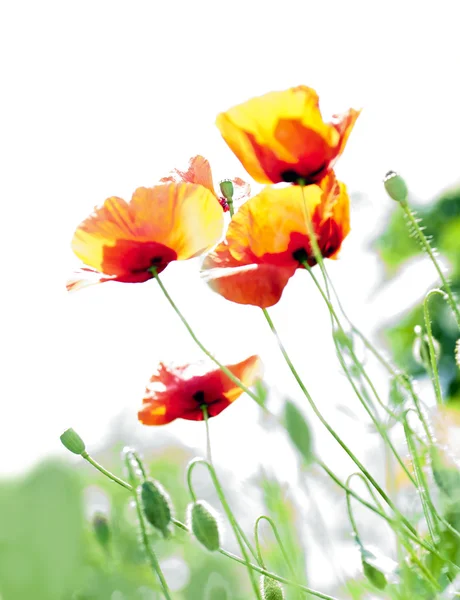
x=396 y=187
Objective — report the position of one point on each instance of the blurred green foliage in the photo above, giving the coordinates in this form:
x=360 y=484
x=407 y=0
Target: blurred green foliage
x=441 y=222
x=52 y=546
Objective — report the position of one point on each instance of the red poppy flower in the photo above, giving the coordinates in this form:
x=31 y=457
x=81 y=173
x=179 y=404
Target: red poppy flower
x=179 y=392
x=268 y=236
x=179 y=219
x=281 y=136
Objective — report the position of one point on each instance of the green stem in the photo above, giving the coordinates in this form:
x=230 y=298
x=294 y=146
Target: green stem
x=278 y=539
x=278 y=577
x=222 y=367
x=408 y=530
x=361 y=369
x=433 y=359
x=338 y=439
x=152 y=558
x=204 y=408
x=429 y=250
x=422 y=486
x=208 y=449
x=228 y=511
x=104 y=471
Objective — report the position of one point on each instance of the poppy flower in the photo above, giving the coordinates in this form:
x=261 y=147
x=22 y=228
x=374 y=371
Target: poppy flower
x=180 y=392
x=176 y=220
x=268 y=237
x=281 y=136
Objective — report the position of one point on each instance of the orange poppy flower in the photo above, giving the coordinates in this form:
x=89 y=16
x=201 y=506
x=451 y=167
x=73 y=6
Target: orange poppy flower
x=268 y=236
x=179 y=392
x=281 y=136
x=176 y=220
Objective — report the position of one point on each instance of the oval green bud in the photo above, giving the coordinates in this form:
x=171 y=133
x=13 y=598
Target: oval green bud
x=204 y=524
x=157 y=505
x=374 y=576
x=101 y=529
x=396 y=187
x=72 y=441
x=226 y=187
x=270 y=589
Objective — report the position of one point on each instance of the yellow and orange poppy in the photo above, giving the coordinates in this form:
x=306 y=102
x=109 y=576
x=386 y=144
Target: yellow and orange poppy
x=181 y=392
x=281 y=136
x=268 y=237
x=176 y=220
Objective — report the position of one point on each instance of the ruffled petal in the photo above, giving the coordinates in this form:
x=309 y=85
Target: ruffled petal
x=198 y=171
x=281 y=136
x=256 y=284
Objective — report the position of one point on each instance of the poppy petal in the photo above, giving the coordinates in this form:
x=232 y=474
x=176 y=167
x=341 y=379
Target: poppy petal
x=198 y=171
x=265 y=224
x=281 y=136
x=256 y=284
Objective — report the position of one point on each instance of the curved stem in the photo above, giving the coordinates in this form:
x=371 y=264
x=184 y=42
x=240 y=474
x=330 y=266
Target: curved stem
x=228 y=511
x=414 y=223
x=429 y=332
x=375 y=421
x=278 y=539
x=151 y=556
x=104 y=471
x=262 y=571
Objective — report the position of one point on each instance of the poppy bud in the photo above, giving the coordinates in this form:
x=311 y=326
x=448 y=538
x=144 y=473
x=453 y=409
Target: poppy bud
x=204 y=525
x=226 y=187
x=157 y=505
x=270 y=589
x=72 y=441
x=396 y=187
x=101 y=529
x=374 y=576
x=421 y=348
x=457 y=353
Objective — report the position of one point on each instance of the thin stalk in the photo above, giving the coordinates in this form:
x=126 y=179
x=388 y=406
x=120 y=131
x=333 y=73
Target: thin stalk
x=104 y=471
x=222 y=367
x=348 y=375
x=278 y=577
x=278 y=539
x=395 y=523
x=230 y=516
x=151 y=556
x=413 y=221
x=208 y=450
x=338 y=439
x=422 y=486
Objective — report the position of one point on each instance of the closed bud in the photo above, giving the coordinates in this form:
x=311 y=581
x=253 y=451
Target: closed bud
x=203 y=522
x=396 y=187
x=157 y=505
x=457 y=353
x=270 y=589
x=374 y=576
x=226 y=187
x=101 y=529
x=72 y=441
x=421 y=348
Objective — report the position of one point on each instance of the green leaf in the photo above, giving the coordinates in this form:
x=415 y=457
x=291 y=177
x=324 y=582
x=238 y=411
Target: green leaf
x=299 y=431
